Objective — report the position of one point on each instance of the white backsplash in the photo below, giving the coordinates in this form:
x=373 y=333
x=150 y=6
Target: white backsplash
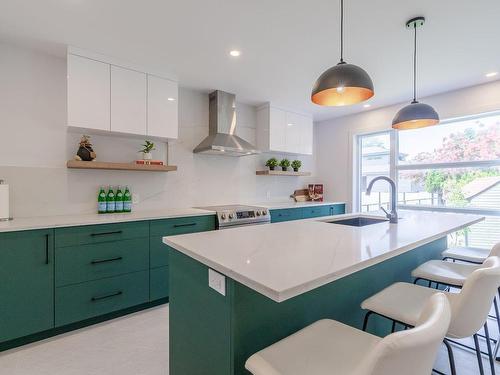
x=35 y=145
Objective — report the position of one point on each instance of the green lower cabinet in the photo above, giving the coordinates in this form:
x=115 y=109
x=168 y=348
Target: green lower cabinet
x=78 y=302
x=26 y=283
x=286 y=214
x=316 y=211
x=158 y=283
x=337 y=209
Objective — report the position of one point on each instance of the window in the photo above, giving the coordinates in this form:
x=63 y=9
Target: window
x=452 y=167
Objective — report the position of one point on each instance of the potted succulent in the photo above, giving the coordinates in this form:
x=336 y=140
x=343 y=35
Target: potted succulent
x=296 y=164
x=272 y=163
x=147 y=147
x=284 y=164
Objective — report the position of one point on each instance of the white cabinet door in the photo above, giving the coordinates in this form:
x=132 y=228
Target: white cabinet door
x=277 y=130
x=294 y=123
x=162 y=108
x=128 y=101
x=306 y=145
x=88 y=93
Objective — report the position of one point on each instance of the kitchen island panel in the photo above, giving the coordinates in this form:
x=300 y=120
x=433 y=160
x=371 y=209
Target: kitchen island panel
x=219 y=334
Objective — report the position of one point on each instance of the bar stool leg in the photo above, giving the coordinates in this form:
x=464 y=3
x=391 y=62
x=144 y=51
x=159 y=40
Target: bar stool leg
x=478 y=355
x=451 y=358
x=490 y=352
x=365 y=323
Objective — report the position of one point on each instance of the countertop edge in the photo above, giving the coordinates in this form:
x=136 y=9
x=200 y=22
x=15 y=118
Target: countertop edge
x=12 y=226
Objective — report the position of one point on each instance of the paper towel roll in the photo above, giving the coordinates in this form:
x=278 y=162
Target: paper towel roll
x=4 y=202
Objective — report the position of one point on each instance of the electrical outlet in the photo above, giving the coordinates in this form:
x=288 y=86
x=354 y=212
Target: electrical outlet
x=217 y=281
x=135 y=198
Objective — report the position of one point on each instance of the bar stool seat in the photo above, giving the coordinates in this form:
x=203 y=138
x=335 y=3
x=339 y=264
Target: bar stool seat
x=402 y=302
x=466 y=254
x=443 y=272
x=316 y=349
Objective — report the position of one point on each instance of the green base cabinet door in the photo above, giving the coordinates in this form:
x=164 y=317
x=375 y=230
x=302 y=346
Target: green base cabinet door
x=158 y=283
x=26 y=283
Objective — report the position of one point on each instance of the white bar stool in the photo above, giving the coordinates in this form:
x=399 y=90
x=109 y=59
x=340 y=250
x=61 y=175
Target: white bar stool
x=403 y=302
x=470 y=254
x=454 y=274
x=328 y=347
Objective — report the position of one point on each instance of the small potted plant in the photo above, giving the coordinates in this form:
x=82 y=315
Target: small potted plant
x=147 y=147
x=296 y=164
x=272 y=163
x=284 y=164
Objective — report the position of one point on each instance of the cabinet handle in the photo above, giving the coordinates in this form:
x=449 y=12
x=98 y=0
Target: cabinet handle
x=184 y=225
x=98 y=298
x=106 y=233
x=47 y=236
x=105 y=260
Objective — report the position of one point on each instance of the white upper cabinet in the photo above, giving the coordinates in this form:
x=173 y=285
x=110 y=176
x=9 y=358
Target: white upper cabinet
x=279 y=130
x=88 y=93
x=162 y=108
x=128 y=101
x=105 y=95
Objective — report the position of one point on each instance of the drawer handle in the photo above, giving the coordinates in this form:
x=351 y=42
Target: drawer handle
x=99 y=261
x=47 y=248
x=184 y=225
x=99 y=298
x=106 y=233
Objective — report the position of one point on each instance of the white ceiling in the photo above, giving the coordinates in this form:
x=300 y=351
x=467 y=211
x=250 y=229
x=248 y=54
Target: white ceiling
x=285 y=44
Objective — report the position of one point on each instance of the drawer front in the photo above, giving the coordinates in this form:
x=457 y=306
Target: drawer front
x=158 y=283
x=182 y=225
x=83 y=301
x=286 y=214
x=337 y=209
x=316 y=211
x=101 y=233
x=76 y=264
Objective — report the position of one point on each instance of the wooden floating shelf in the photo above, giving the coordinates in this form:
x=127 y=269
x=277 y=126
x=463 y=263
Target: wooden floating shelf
x=77 y=164
x=281 y=173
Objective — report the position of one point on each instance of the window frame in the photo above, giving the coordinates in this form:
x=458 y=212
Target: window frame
x=396 y=167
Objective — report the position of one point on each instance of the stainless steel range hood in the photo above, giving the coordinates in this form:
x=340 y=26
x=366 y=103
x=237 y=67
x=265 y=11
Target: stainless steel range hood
x=222 y=124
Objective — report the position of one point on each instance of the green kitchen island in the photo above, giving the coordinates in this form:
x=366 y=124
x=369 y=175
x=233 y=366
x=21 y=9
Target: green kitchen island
x=234 y=292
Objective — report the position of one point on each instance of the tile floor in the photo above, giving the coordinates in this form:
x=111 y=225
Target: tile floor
x=134 y=345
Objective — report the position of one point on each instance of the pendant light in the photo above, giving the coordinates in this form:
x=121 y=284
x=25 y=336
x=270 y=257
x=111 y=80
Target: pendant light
x=415 y=115
x=343 y=84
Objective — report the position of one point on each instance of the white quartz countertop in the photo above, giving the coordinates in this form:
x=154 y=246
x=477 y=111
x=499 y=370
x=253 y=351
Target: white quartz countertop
x=44 y=222
x=293 y=204
x=283 y=260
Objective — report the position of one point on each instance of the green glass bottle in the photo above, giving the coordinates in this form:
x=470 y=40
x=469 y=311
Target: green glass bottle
x=110 y=200
x=127 y=200
x=119 y=200
x=101 y=201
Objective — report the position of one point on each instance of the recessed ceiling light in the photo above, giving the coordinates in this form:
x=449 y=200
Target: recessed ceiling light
x=491 y=74
x=171 y=99
x=235 y=53
x=367 y=105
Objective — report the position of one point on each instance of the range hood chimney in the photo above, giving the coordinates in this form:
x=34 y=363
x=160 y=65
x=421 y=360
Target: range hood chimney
x=222 y=124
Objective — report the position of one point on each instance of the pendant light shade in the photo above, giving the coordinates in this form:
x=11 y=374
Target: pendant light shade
x=415 y=115
x=343 y=84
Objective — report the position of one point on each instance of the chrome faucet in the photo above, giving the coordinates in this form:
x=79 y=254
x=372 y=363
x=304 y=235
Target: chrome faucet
x=393 y=215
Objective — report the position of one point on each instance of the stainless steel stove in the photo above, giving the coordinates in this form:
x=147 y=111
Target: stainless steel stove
x=232 y=216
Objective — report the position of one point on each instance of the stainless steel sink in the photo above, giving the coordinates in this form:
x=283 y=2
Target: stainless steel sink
x=358 y=221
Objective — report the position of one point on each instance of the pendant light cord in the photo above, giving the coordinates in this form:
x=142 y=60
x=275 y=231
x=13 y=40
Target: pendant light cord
x=415 y=64
x=341 y=31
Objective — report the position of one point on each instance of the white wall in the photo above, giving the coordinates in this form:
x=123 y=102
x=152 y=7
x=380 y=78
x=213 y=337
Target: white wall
x=35 y=145
x=334 y=137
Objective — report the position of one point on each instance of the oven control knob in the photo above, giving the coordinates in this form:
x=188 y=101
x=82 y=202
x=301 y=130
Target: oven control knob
x=231 y=216
x=258 y=213
x=264 y=212
x=223 y=216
